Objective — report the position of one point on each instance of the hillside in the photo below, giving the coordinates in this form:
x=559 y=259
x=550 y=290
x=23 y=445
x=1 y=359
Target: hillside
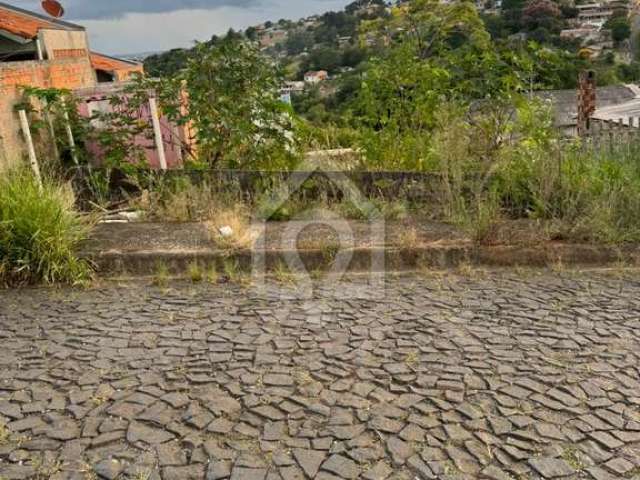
x=320 y=42
x=569 y=36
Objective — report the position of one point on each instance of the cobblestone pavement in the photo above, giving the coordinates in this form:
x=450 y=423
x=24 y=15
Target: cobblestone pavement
x=488 y=377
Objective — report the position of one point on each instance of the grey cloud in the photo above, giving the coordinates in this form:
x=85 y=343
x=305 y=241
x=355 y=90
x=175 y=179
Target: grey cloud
x=113 y=9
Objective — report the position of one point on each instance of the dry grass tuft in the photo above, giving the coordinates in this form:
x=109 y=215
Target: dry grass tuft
x=470 y=271
x=4 y=434
x=235 y=218
x=408 y=238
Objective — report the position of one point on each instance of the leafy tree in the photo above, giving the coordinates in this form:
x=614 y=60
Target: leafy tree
x=442 y=54
x=496 y=25
x=353 y=56
x=299 y=41
x=343 y=23
x=512 y=13
x=541 y=14
x=620 y=28
x=629 y=73
x=251 y=33
x=233 y=35
x=354 y=7
x=322 y=58
x=166 y=64
x=233 y=104
x=432 y=28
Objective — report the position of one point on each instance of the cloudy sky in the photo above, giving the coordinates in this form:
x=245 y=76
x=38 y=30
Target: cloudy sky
x=134 y=26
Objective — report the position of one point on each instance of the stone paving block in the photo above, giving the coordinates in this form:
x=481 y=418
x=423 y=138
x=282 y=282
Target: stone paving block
x=551 y=467
x=486 y=377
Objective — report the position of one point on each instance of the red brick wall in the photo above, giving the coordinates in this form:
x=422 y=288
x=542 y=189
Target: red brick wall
x=69 y=52
x=62 y=73
x=70 y=73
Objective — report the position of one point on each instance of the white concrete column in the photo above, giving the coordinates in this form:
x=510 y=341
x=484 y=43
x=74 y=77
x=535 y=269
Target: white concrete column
x=155 y=119
x=24 y=123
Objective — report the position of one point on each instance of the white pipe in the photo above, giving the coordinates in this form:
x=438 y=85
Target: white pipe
x=24 y=123
x=155 y=119
x=39 y=48
x=67 y=126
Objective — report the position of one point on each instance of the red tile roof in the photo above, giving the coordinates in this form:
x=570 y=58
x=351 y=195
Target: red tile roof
x=110 y=64
x=26 y=24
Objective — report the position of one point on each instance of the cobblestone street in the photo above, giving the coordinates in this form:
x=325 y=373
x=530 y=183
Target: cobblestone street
x=491 y=376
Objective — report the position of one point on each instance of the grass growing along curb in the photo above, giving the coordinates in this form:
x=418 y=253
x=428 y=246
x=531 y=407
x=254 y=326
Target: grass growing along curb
x=196 y=272
x=161 y=277
x=39 y=232
x=212 y=275
x=231 y=270
x=283 y=274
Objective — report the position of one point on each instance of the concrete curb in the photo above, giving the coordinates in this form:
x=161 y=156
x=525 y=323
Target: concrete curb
x=116 y=263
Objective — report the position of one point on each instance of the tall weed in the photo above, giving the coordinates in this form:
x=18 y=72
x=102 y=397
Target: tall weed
x=39 y=232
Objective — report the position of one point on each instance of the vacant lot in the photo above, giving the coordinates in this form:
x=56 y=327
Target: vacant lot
x=489 y=376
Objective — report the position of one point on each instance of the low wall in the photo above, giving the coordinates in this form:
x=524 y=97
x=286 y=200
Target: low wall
x=253 y=185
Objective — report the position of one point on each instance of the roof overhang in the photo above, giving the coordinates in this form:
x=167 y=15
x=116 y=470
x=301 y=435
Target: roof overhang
x=621 y=112
x=53 y=21
x=15 y=38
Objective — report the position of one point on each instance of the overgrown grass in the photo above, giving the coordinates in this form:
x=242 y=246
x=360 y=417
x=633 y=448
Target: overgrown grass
x=493 y=163
x=179 y=199
x=578 y=191
x=39 y=232
x=584 y=193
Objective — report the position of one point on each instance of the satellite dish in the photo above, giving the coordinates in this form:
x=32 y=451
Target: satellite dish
x=53 y=8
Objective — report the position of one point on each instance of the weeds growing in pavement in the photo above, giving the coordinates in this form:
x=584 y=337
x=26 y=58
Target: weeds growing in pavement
x=231 y=270
x=212 y=275
x=161 y=275
x=4 y=434
x=196 y=272
x=283 y=274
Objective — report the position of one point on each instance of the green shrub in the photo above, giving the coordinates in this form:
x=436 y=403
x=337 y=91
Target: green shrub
x=39 y=232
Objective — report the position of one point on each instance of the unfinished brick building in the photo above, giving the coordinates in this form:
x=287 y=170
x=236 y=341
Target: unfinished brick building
x=36 y=50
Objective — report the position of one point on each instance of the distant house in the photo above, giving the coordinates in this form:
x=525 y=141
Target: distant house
x=565 y=104
x=316 y=77
x=586 y=35
x=594 y=14
x=270 y=38
x=625 y=114
x=344 y=41
x=295 y=87
x=285 y=96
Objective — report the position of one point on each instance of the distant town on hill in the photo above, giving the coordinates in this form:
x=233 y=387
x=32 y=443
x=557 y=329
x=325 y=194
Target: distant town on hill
x=336 y=43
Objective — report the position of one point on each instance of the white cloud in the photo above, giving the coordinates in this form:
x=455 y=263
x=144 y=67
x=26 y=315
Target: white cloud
x=142 y=32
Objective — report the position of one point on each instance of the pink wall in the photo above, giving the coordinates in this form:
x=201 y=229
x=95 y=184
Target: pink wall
x=95 y=99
